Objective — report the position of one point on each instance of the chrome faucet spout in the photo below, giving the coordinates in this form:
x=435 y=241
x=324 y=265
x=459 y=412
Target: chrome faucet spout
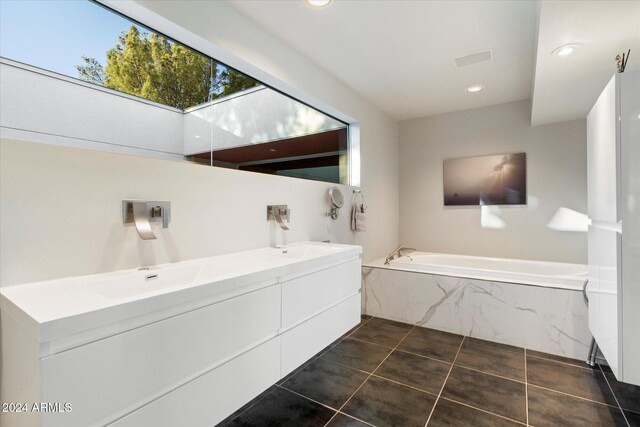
x=398 y=252
x=392 y=255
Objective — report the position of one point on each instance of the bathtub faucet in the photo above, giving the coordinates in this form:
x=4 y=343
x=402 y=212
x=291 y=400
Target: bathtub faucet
x=397 y=253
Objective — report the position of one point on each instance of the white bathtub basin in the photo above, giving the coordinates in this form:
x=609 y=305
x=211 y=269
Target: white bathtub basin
x=537 y=273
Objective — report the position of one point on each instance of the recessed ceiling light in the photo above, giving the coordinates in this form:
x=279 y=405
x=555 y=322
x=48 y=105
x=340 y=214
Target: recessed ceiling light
x=566 y=49
x=273 y=150
x=475 y=88
x=319 y=3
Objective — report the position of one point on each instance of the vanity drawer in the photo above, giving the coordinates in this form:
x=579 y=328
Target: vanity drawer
x=308 y=295
x=109 y=378
x=214 y=396
x=308 y=338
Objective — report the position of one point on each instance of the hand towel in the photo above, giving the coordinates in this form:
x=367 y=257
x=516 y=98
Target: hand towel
x=358 y=217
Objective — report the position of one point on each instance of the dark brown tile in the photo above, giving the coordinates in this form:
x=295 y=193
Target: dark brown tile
x=548 y=408
x=282 y=407
x=542 y=355
x=581 y=382
x=417 y=371
x=431 y=343
x=492 y=358
x=326 y=382
x=357 y=354
x=633 y=418
x=628 y=395
x=252 y=402
x=295 y=371
x=496 y=345
x=383 y=403
x=382 y=331
x=341 y=420
x=363 y=319
x=605 y=368
x=329 y=347
x=490 y=393
x=448 y=413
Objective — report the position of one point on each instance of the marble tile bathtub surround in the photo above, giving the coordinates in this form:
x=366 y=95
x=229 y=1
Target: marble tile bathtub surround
x=540 y=318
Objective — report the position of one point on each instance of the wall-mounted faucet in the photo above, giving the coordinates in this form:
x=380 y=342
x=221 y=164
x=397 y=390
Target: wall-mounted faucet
x=142 y=213
x=397 y=253
x=279 y=213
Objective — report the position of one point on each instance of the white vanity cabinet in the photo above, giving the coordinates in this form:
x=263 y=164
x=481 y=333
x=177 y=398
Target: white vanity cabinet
x=314 y=307
x=189 y=367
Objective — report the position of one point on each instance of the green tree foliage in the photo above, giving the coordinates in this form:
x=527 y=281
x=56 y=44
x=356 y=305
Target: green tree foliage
x=163 y=71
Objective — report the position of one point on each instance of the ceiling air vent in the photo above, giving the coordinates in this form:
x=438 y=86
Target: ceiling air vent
x=474 y=58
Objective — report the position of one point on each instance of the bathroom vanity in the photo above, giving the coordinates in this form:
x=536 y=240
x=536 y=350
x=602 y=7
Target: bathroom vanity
x=176 y=344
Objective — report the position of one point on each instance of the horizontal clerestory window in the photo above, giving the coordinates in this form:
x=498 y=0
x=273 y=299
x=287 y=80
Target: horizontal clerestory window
x=229 y=119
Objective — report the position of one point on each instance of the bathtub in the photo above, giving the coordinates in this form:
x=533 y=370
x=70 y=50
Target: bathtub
x=531 y=304
x=536 y=273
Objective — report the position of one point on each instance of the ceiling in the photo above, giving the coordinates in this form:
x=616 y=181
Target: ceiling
x=566 y=88
x=315 y=145
x=399 y=54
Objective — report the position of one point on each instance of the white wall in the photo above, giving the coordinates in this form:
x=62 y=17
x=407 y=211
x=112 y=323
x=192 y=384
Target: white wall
x=556 y=178
x=60 y=212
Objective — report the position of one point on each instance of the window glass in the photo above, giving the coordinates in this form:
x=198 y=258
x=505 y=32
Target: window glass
x=227 y=118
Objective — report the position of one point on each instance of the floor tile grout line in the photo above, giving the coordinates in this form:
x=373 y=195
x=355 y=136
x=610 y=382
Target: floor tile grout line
x=368 y=342
x=337 y=411
x=346 y=366
x=418 y=388
x=572 y=395
x=445 y=381
x=561 y=363
x=482 y=410
x=252 y=404
x=355 y=418
x=318 y=355
x=422 y=356
x=489 y=373
x=371 y=374
x=614 y=396
x=483 y=341
x=526 y=387
x=403 y=384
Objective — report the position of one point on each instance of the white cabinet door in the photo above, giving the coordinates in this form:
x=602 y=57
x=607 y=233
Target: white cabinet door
x=602 y=156
x=305 y=340
x=308 y=295
x=212 y=397
x=604 y=251
x=629 y=207
x=109 y=378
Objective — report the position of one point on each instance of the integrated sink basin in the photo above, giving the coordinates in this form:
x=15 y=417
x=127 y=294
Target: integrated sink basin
x=64 y=309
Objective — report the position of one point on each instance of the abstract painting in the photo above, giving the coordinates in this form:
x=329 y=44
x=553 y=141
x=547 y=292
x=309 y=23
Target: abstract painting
x=487 y=180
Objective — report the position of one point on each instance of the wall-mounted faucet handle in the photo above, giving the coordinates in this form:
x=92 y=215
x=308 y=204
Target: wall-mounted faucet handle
x=279 y=214
x=164 y=213
x=142 y=213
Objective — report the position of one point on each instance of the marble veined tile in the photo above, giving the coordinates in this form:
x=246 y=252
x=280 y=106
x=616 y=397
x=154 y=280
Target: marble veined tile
x=540 y=318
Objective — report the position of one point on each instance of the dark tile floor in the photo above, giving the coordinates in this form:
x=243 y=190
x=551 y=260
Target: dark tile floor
x=385 y=373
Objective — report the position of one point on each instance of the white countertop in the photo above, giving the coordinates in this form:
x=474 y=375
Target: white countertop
x=75 y=309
